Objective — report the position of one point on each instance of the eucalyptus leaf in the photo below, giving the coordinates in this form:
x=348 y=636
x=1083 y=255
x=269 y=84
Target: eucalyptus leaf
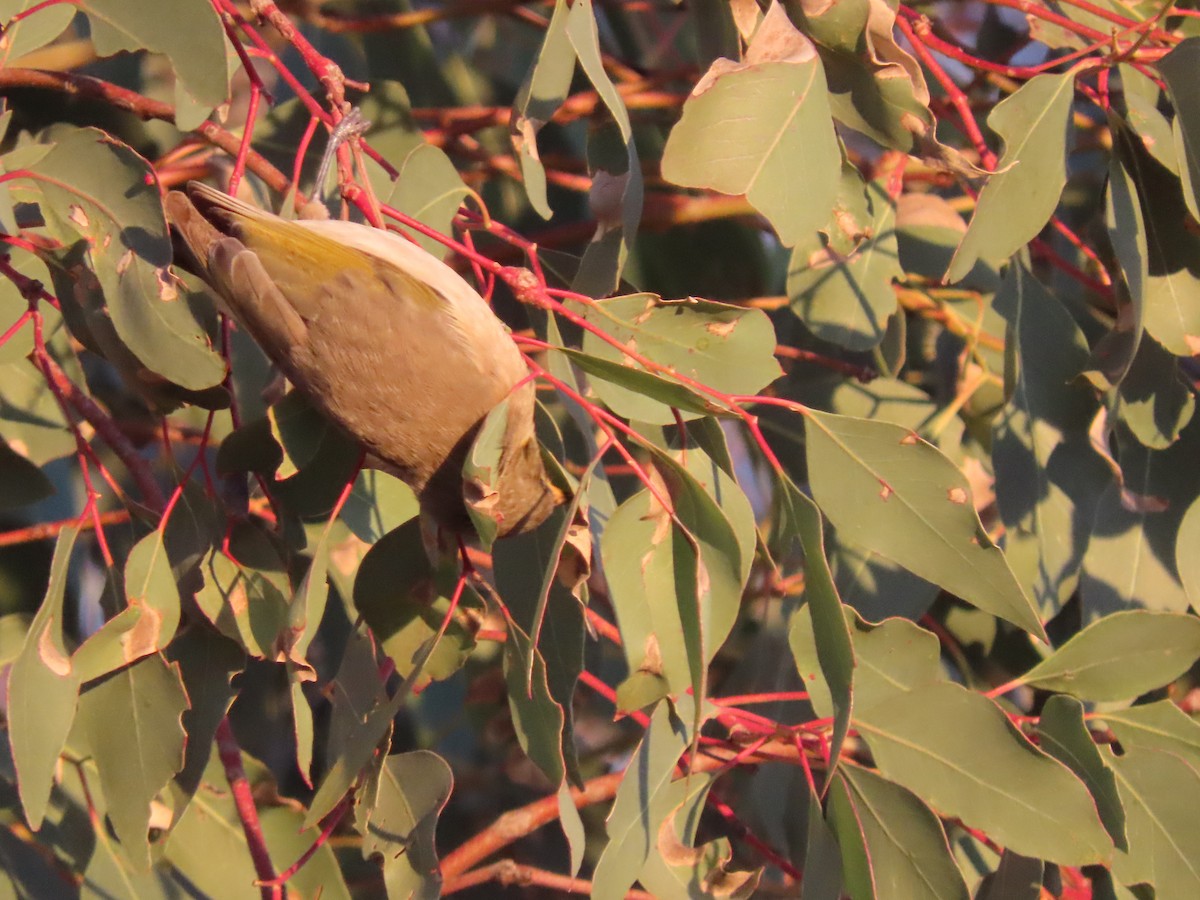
x=132 y=722
x=763 y=128
x=887 y=490
x=1020 y=197
x=957 y=751
x=726 y=348
x=42 y=691
x=1121 y=656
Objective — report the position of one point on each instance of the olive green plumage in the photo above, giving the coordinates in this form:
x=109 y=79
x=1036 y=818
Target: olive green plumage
x=386 y=340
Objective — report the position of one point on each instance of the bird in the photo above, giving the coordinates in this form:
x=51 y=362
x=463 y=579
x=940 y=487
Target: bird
x=383 y=338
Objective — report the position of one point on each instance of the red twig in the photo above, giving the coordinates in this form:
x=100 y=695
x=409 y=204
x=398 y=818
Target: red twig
x=331 y=823
x=243 y=798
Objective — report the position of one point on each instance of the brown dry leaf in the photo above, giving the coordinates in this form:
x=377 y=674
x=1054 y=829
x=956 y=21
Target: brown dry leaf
x=719 y=882
x=776 y=40
x=575 y=561
x=746 y=15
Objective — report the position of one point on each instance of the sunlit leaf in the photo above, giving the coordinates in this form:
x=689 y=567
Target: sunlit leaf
x=132 y=722
x=1121 y=656
x=726 y=348
x=1019 y=199
x=398 y=819
x=149 y=620
x=644 y=801
x=1065 y=737
x=887 y=490
x=541 y=94
x=903 y=839
x=1047 y=475
x=42 y=689
x=957 y=751
x=840 y=283
x=763 y=128
x=190 y=36
x=91 y=187
x=1160 y=792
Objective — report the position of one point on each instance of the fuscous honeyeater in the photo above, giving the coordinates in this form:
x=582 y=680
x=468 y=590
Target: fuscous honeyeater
x=386 y=340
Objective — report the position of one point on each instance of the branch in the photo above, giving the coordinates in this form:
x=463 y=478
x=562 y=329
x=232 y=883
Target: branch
x=508 y=872
x=243 y=798
x=141 y=106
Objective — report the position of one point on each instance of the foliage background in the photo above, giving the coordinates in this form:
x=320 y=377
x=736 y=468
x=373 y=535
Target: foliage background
x=882 y=551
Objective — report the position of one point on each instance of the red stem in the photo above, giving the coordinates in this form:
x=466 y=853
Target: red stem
x=243 y=798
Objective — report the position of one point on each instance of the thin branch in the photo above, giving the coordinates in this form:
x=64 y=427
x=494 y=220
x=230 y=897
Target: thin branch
x=143 y=107
x=243 y=798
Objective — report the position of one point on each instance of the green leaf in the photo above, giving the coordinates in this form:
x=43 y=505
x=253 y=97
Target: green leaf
x=31 y=418
x=643 y=395
x=1065 y=737
x=693 y=557
x=726 y=348
x=1160 y=792
x=1020 y=197
x=246 y=590
x=957 y=751
x=1113 y=354
x=481 y=473
x=90 y=187
x=541 y=94
x=1157 y=726
x=32 y=32
x=86 y=312
x=1130 y=556
x=616 y=191
x=132 y=722
x=398 y=816
x=892 y=657
x=378 y=503
x=1141 y=98
x=1171 y=280
x=763 y=128
x=1047 y=474
x=679 y=869
x=210 y=830
x=360 y=719
x=302 y=726
x=907 y=848
x=881 y=92
x=207 y=663
x=1187 y=561
x=840 y=282
x=306 y=610
x=1178 y=69
x=526 y=569
x=318 y=457
x=146 y=624
x=799 y=516
x=429 y=189
x=397 y=594
x=889 y=491
x=191 y=36
x=823 y=876
x=644 y=801
x=42 y=690
x=1121 y=656
x=1155 y=400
